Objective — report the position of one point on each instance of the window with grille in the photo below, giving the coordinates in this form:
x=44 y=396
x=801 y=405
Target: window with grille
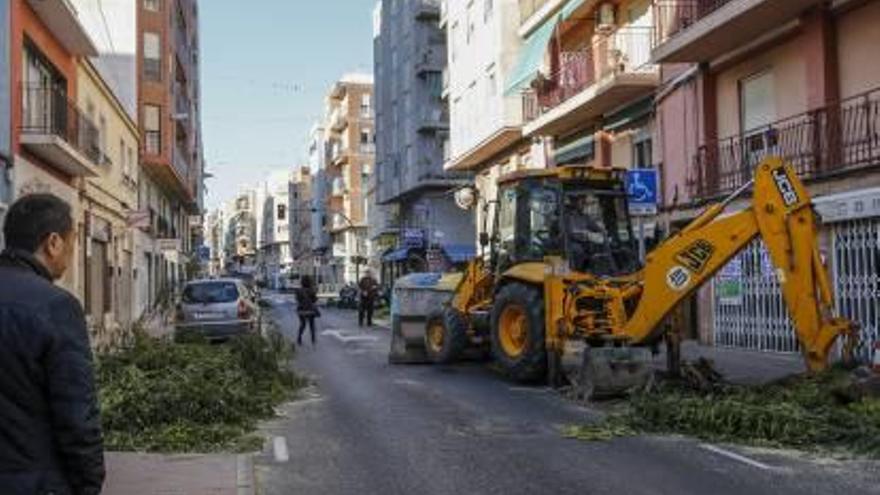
x=153 y=5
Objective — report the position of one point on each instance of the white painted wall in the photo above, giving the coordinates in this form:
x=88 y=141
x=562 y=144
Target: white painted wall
x=479 y=63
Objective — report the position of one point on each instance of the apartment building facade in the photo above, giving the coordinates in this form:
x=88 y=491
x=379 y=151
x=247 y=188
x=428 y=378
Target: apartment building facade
x=275 y=236
x=796 y=79
x=412 y=124
x=301 y=222
x=486 y=135
x=169 y=120
x=350 y=151
x=54 y=144
x=106 y=200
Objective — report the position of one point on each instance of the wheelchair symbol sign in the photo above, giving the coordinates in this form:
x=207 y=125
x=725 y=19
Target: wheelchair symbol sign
x=641 y=190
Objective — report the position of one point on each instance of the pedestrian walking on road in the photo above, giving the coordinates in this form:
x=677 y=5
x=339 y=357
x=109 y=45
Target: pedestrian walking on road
x=50 y=429
x=306 y=307
x=369 y=291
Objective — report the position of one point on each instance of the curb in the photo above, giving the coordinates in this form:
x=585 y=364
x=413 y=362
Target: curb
x=246 y=484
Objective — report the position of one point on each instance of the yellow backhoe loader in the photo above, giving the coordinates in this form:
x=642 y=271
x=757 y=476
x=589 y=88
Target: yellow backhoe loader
x=562 y=275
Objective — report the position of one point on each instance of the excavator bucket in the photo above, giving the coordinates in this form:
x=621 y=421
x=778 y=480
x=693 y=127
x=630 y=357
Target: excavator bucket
x=605 y=372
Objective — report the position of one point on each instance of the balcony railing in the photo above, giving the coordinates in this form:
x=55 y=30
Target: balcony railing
x=674 y=16
x=47 y=111
x=626 y=50
x=434 y=119
x=824 y=142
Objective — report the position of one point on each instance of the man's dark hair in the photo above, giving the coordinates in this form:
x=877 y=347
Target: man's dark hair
x=33 y=218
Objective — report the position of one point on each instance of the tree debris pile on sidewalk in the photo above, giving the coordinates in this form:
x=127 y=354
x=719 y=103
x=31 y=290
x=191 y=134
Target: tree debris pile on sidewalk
x=824 y=412
x=159 y=396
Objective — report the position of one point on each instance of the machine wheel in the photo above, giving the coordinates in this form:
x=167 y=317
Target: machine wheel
x=518 y=332
x=445 y=336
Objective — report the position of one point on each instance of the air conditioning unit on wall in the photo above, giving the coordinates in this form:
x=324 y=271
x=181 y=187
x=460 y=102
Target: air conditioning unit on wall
x=606 y=18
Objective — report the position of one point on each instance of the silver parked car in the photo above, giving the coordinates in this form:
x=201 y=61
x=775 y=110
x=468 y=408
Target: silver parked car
x=217 y=309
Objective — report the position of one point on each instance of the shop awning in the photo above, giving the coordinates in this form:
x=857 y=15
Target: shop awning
x=460 y=253
x=534 y=47
x=399 y=254
x=629 y=115
x=579 y=149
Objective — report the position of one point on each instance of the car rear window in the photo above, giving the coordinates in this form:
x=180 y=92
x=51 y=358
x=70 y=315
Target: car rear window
x=210 y=292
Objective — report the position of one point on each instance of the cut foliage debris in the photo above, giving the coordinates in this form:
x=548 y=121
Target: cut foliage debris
x=831 y=411
x=158 y=396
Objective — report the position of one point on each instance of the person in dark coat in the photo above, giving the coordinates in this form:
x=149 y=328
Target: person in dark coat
x=369 y=291
x=50 y=430
x=306 y=307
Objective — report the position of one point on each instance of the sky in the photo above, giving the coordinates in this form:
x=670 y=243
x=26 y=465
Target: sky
x=266 y=66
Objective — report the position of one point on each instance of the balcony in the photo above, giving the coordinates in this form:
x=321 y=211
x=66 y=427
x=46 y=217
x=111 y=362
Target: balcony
x=62 y=20
x=821 y=143
x=428 y=10
x=181 y=160
x=338 y=122
x=614 y=70
x=700 y=30
x=339 y=187
x=433 y=119
x=55 y=130
x=429 y=61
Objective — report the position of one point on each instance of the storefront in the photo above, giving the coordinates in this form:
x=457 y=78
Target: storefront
x=748 y=309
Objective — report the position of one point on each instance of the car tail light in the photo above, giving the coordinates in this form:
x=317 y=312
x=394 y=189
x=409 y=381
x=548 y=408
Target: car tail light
x=244 y=311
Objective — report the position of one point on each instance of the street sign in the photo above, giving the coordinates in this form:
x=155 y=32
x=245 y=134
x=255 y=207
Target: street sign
x=413 y=238
x=641 y=189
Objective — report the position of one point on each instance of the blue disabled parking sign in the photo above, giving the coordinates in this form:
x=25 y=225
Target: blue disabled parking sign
x=641 y=190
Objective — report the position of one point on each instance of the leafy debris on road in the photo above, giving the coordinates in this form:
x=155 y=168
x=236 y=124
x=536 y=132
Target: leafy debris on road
x=158 y=396
x=815 y=413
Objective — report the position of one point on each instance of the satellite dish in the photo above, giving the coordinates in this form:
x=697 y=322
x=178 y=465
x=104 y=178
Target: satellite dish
x=466 y=198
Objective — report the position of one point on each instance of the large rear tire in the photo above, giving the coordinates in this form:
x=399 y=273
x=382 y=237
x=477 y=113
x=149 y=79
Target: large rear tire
x=445 y=336
x=518 y=333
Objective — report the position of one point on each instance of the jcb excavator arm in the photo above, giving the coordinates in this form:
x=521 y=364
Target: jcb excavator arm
x=781 y=215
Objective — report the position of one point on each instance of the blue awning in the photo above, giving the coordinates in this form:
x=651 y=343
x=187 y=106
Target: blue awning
x=460 y=253
x=534 y=47
x=399 y=254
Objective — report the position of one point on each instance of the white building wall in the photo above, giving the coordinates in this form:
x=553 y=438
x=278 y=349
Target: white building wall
x=482 y=49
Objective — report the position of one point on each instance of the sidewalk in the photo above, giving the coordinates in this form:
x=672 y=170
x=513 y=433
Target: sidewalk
x=739 y=365
x=154 y=474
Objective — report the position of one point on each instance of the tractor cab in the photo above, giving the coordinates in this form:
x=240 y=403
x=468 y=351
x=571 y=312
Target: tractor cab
x=577 y=213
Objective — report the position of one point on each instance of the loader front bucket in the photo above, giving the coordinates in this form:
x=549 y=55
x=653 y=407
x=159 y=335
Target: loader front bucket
x=413 y=298
x=613 y=371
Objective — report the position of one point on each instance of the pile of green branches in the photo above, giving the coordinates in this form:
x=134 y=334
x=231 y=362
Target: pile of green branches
x=159 y=396
x=816 y=413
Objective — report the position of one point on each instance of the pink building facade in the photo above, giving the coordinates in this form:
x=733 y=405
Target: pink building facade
x=744 y=79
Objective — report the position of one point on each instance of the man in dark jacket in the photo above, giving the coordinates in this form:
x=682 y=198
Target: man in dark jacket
x=50 y=431
x=369 y=290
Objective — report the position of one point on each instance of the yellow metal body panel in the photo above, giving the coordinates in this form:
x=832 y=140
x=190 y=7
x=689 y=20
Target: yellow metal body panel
x=632 y=309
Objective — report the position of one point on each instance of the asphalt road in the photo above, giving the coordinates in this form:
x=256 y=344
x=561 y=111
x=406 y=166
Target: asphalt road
x=368 y=427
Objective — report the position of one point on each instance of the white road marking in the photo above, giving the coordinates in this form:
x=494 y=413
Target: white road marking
x=349 y=338
x=737 y=457
x=407 y=382
x=279 y=447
